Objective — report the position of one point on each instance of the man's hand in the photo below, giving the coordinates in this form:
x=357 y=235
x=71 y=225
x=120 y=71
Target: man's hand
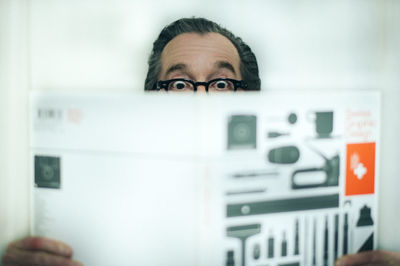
x=375 y=257
x=39 y=251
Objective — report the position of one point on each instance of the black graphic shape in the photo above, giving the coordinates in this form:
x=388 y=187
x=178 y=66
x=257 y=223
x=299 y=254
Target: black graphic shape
x=368 y=244
x=244 y=192
x=314 y=243
x=230 y=258
x=276 y=134
x=252 y=174
x=331 y=169
x=345 y=234
x=296 y=238
x=290 y=264
x=47 y=172
x=256 y=251
x=324 y=124
x=365 y=217
x=242 y=132
x=284 y=246
x=284 y=155
x=306 y=241
x=243 y=232
x=292 y=118
x=270 y=246
x=283 y=205
x=326 y=241
x=336 y=243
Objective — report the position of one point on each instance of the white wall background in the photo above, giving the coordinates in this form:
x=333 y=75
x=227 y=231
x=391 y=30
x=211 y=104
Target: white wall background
x=14 y=84
x=303 y=43
x=97 y=45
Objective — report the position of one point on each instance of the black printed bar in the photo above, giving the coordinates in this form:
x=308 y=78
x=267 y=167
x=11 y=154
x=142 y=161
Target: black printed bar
x=283 y=205
x=290 y=264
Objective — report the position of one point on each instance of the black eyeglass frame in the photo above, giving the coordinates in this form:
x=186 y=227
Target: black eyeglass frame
x=163 y=84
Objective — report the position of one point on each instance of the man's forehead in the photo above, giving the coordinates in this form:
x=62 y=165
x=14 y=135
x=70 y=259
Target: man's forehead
x=199 y=50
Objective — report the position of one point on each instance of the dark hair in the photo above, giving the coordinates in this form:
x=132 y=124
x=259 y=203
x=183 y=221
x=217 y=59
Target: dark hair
x=248 y=61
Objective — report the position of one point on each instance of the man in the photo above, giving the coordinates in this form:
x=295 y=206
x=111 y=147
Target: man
x=191 y=54
x=200 y=50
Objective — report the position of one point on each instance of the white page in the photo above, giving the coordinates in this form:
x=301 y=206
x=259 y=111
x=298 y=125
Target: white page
x=177 y=179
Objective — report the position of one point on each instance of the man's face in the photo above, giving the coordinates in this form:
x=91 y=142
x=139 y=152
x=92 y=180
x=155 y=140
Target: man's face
x=200 y=58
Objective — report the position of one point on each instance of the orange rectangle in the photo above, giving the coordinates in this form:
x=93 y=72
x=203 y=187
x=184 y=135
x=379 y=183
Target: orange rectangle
x=360 y=169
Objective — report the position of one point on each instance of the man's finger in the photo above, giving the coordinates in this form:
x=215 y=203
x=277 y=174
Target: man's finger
x=375 y=257
x=16 y=256
x=44 y=244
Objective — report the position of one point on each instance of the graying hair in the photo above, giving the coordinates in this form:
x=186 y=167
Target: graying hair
x=248 y=61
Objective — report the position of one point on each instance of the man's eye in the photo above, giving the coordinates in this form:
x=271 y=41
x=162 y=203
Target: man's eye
x=221 y=84
x=179 y=85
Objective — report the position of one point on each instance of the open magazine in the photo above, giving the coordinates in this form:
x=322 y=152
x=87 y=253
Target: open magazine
x=273 y=179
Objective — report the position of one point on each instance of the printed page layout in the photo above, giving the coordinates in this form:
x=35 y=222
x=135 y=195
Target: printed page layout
x=299 y=180
x=115 y=176
x=266 y=179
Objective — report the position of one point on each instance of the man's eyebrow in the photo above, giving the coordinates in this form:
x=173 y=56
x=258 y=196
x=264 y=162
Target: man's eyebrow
x=175 y=68
x=217 y=66
x=226 y=65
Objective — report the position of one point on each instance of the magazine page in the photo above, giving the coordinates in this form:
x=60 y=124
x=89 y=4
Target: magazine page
x=297 y=183
x=114 y=176
x=244 y=179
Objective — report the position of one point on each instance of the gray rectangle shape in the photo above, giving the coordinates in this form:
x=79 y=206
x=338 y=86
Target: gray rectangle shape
x=47 y=171
x=290 y=264
x=283 y=205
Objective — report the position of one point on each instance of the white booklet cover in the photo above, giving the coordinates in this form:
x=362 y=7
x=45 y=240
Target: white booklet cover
x=279 y=179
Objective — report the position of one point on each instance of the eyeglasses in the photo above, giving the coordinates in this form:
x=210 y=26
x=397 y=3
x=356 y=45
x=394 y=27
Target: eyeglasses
x=214 y=85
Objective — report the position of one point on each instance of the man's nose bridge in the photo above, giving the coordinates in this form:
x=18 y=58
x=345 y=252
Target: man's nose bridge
x=201 y=86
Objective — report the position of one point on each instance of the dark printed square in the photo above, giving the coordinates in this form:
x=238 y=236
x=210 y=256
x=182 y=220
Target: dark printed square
x=242 y=132
x=47 y=172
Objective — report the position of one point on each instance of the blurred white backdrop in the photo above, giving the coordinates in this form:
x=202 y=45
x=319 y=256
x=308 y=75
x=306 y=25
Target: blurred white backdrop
x=306 y=43
x=103 y=45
